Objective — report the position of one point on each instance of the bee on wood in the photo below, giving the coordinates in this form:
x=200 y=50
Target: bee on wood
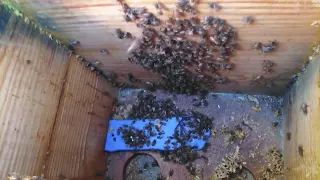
x=158 y=8
x=104 y=51
x=93 y=68
x=119 y=33
x=70 y=52
x=73 y=42
x=127 y=35
x=289 y=136
x=79 y=57
x=247 y=19
x=304 y=108
x=301 y=150
x=87 y=64
x=126 y=18
x=215 y=6
x=125 y=7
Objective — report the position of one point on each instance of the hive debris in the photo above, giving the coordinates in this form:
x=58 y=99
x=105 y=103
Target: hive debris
x=228 y=166
x=265 y=48
x=231 y=136
x=267 y=66
x=275 y=165
x=256 y=101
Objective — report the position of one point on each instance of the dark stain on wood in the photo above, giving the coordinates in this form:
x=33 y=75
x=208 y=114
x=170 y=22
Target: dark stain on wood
x=4 y=18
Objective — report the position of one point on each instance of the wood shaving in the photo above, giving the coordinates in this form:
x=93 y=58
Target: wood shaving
x=254 y=99
x=316 y=23
x=316 y=51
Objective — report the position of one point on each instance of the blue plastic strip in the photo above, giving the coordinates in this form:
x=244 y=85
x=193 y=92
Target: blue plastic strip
x=115 y=143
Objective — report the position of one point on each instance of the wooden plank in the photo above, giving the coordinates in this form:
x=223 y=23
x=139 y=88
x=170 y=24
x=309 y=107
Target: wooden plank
x=302 y=151
x=93 y=23
x=32 y=69
x=76 y=150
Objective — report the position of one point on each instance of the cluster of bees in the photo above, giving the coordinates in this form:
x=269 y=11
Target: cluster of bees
x=194 y=125
x=188 y=53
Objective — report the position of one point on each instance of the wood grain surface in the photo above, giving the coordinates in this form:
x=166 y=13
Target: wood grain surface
x=76 y=149
x=302 y=151
x=32 y=69
x=53 y=111
x=287 y=21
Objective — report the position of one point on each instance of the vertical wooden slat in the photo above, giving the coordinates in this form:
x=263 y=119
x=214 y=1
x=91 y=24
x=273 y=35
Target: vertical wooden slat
x=29 y=94
x=77 y=143
x=304 y=128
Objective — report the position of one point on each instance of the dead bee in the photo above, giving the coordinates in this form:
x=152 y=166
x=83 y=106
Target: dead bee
x=158 y=8
x=119 y=33
x=80 y=58
x=171 y=172
x=215 y=6
x=267 y=66
x=289 y=136
x=256 y=45
x=304 y=108
x=247 y=19
x=73 y=42
x=269 y=47
x=104 y=51
x=301 y=150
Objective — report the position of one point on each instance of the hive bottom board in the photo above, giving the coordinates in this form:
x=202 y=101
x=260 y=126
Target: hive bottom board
x=263 y=130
